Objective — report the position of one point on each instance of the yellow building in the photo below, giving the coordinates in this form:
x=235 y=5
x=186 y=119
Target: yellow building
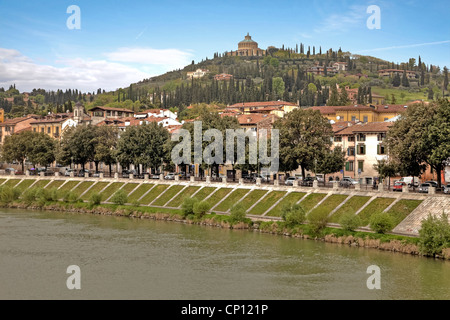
x=2 y=115
x=53 y=125
x=361 y=113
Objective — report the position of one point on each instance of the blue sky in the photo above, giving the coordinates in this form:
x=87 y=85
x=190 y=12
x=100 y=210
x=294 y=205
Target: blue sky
x=120 y=42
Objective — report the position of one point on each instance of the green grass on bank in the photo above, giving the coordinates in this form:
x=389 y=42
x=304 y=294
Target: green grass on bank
x=69 y=185
x=11 y=183
x=217 y=196
x=25 y=184
x=187 y=193
x=231 y=200
x=204 y=192
x=267 y=202
x=129 y=187
x=2 y=180
x=55 y=184
x=290 y=199
x=110 y=190
x=402 y=209
x=331 y=202
x=40 y=184
x=252 y=197
x=376 y=206
x=78 y=191
x=156 y=191
x=352 y=205
x=169 y=194
x=311 y=201
x=139 y=192
x=95 y=189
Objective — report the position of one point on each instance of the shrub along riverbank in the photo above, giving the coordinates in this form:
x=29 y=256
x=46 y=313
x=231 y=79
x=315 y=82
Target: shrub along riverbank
x=295 y=224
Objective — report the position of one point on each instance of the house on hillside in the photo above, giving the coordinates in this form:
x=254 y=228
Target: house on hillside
x=16 y=125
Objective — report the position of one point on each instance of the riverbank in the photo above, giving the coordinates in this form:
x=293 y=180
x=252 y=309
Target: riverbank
x=384 y=242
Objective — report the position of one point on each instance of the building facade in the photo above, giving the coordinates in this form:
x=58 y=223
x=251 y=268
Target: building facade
x=247 y=47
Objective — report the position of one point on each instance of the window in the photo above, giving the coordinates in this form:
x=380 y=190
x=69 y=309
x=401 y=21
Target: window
x=350 y=166
x=49 y=130
x=381 y=149
x=386 y=119
x=34 y=129
x=353 y=118
x=366 y=119
x=351 y=151
x=361 y=149
x=361 y=166
x=361 y=137
x=57 y=131
x=337 y=139
x=351 y=139
x=42 y=130
x=381 y=136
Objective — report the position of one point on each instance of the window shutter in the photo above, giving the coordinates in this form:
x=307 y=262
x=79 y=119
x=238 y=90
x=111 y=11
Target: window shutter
x=378 y=149
x=347 y=166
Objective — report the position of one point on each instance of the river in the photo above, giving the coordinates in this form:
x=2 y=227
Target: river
x=123 y=258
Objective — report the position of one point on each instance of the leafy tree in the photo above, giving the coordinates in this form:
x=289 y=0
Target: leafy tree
x=105 y=146
x=144 y=145
x=42 y=149
x=305 y=136
x=120 y=197
x=237 y=213
x=278 y=86
x=318 y=220
x=386 y=169
x=396 y=80
x=334 y=98
x=381 y=222
x=434 y=235
x=445 y=78
x=422 y=137
x=17 y=147
x=343 y=98
x=331 y=162
x=187 y=207
x=78 y=145
x=405 y=81
x=293 y=214
x=201 y=208
x=350 y=221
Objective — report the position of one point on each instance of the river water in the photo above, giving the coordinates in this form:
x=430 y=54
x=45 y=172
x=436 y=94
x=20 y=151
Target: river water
x=123 y=258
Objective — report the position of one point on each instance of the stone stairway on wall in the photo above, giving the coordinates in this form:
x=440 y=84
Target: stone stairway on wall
x=432 y=205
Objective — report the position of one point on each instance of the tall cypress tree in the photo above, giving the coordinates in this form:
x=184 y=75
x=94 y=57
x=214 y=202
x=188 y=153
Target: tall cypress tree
x=405 y=81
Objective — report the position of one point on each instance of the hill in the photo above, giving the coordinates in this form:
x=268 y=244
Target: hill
x=306 y=77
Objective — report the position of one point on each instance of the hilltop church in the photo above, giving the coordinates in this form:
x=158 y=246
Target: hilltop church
x=247 y=48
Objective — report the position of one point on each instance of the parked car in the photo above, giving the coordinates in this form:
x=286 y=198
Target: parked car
x=432 y=183
x=96 y=174
x=290 y=181
x=424 y=188
x=10 y=170
x=399 y=185
x=170 y=176
x=126 y=173
x=68 y=172
x=82 y=172
x=347 y=182
x=410 y=181
x=263 y=178
x=154 y=176
x=447 y=189
x=308 y=181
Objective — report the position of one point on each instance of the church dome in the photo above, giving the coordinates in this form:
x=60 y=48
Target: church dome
x=248 y=39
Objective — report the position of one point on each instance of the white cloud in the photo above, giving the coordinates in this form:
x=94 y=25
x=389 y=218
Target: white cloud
x=342 y=22
x=82 y=74
x=405 y=46
x=168 y=58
